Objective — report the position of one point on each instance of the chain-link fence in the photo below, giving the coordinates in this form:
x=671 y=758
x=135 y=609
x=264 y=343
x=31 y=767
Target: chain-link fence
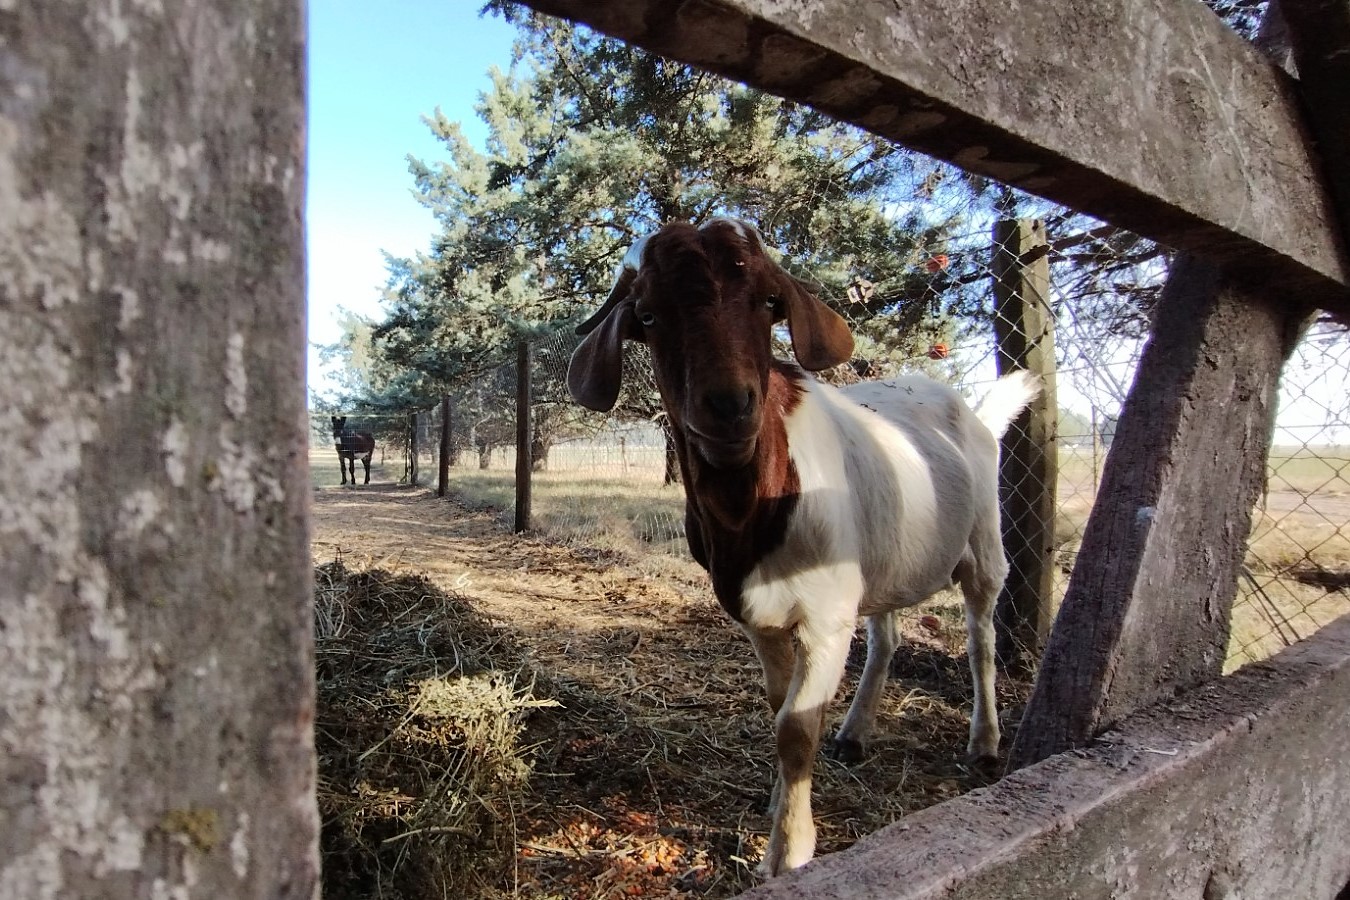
x=1069 y=296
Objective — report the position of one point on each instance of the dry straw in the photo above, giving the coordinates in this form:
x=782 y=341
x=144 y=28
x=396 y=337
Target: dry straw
x=461 y=758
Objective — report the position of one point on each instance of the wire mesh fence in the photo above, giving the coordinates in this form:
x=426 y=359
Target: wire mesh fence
x=989 y=279
x=611 y=481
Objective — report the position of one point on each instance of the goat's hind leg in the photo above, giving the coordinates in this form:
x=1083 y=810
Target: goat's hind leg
x=980 y=583
x=850 y=741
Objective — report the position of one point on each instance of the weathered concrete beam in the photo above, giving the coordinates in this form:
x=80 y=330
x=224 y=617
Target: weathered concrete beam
x=1320 y=33
x=1238 y=789
x=1150 y=114
x=1148 y=604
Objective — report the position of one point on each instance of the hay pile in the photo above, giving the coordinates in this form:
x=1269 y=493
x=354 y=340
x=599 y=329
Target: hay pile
x=420 y=714
x=460 y=758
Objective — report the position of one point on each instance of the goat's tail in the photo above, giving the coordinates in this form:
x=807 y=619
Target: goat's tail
x=1008 y=397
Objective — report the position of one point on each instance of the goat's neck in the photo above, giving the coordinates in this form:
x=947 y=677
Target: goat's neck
x=736 y=517
x=731 y=498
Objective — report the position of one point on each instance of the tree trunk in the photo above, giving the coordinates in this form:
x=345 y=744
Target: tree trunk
x=538 y=454
x=524 y=435
x=156 y=666
x=447 y=450
x=413 y=449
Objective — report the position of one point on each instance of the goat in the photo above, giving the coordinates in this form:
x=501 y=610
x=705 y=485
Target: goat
x=807 y=508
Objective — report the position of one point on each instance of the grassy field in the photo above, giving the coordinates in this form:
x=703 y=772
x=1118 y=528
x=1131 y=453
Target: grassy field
x=586 y=492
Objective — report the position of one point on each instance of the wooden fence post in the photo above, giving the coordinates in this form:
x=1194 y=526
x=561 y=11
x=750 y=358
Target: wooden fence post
x=523 y=423
x=156 y=628
x=412 y=449
x=1028 y=459
x=443 y=476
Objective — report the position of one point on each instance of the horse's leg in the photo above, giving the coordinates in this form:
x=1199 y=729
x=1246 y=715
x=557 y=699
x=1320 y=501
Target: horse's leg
x=365 y=461
x=342 y=466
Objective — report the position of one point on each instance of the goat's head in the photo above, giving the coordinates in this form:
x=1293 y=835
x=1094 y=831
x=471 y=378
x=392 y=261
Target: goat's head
x=704 y=300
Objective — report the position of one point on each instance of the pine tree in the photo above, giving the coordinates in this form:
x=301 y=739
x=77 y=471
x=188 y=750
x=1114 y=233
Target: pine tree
x=593 y=143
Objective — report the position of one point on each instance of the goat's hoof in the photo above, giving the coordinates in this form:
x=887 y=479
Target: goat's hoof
x=983 y=762
x=845 y=750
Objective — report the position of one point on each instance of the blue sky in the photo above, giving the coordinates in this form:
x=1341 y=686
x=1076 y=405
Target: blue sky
x=374 y=69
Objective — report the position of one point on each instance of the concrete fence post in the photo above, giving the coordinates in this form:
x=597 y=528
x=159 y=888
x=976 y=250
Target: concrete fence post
x=1028 y=460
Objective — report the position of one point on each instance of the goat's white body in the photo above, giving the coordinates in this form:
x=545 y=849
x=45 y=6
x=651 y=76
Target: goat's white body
x=898 y=496
x=889 y=499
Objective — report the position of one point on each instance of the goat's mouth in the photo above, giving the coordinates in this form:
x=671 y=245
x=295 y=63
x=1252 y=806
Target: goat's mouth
x=723 y=453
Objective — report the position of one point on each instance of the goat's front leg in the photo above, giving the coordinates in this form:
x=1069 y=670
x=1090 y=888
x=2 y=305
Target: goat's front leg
x=819 y=666
x=777 y=657
x=852 y=736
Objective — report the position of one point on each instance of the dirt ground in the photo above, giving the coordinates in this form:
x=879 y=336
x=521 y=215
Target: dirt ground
x=652 y=776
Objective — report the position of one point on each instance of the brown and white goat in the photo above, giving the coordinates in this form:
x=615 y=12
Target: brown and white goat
x=807 y=508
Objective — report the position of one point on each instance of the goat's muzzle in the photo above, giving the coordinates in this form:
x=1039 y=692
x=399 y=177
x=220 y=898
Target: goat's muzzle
x=724 y=428
x=724 y=454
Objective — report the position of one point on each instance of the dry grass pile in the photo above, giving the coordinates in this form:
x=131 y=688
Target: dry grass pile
x=460 y=758
x=420 y=715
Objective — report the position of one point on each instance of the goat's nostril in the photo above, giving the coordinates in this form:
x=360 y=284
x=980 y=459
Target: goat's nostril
x=731 y=404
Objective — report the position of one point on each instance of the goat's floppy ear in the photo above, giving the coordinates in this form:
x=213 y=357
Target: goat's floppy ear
x=820 y=337
x=623 y=286
x=595 y=373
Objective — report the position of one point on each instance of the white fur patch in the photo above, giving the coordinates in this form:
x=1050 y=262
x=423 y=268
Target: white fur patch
x=632 y=260
x=885 y=511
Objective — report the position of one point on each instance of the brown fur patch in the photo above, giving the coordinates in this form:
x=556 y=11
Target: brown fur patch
x=734 y=518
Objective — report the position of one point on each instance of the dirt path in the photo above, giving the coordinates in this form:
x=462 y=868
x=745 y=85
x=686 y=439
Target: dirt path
x=530 y=585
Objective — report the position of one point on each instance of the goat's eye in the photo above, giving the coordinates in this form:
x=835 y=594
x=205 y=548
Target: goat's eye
x=647 y=319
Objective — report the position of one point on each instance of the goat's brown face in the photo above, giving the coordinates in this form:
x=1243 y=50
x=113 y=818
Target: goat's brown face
x=705 y=302
x=706 y=311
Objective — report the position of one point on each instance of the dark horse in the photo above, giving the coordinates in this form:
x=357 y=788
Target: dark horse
x=349 y=445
